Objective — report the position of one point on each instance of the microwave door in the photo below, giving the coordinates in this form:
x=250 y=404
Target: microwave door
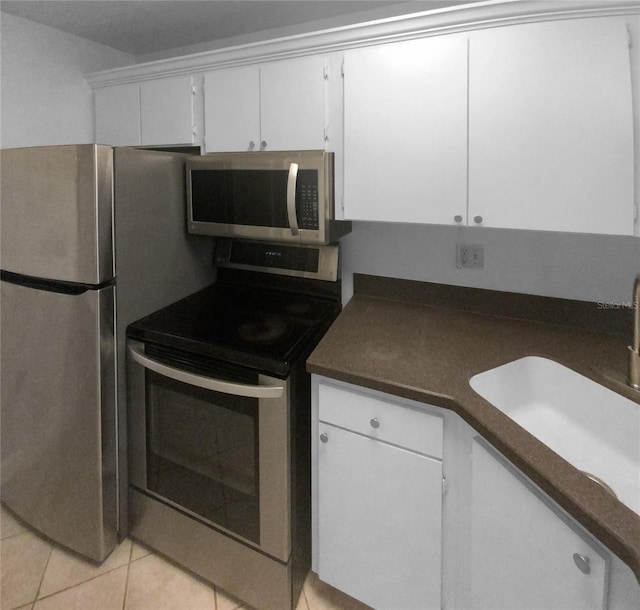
x=238 y=202
x=279 y=196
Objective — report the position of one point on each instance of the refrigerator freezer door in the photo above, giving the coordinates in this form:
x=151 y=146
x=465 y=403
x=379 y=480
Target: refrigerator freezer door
x=58 y=434
x=57 y=212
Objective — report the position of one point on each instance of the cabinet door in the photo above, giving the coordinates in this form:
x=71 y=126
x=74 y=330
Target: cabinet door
x=117 y=115
x=522 y=552
x=379 y=521
x=405 y=138
x=232 y=109
x=293 y=103
x=166 y=111
x=550 y=127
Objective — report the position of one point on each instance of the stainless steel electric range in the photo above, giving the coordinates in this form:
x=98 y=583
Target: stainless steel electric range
x=219 y=419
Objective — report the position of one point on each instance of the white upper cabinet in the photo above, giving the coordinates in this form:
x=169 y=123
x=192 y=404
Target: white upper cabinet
x=523 y=125
x=275 y=106
x=232 y=109
x=167 y=111
x=117 y=115
x=293 y=100
x=150 y=113
x=551 y=127
x=405 y=138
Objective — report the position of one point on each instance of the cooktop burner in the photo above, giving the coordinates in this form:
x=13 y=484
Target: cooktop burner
x=262 y=329
x=253 y=326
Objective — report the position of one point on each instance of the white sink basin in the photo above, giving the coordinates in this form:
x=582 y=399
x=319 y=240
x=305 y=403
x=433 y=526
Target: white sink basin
x=593 y=428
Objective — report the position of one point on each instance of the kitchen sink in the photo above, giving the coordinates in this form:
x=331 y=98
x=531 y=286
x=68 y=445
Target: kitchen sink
x=590 y=426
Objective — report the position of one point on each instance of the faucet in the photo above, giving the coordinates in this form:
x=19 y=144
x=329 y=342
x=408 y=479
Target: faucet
x=634 y=348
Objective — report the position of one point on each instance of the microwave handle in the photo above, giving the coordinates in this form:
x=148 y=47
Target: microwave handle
x=226 y=387
x=292 y=181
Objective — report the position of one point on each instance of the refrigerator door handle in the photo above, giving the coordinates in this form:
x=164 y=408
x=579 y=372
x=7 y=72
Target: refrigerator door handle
x=208 y=383
x=60 y=286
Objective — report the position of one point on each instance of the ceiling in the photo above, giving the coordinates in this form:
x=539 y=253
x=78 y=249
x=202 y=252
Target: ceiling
x=145 y=27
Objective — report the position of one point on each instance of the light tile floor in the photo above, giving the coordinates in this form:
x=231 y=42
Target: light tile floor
x=37 y=575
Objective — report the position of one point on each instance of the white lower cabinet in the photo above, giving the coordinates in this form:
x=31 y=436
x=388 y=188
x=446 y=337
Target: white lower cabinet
x=379 y=509
x=413 y=510
x=524 y=553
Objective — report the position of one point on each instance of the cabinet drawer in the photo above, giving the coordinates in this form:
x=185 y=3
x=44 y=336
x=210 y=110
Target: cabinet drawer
x=382 y=420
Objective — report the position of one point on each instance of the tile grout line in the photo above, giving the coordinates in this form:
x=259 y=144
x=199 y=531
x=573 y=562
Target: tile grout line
x=33 y=603
x=306 y=599
x=129 y=562
x=10 y=536
x=126 y=580
x=81 y=582
x=78 y=584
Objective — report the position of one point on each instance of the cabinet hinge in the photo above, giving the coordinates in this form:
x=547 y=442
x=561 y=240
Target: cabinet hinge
x=444 y=485
x=342 y=69
x=326 y=134
x=193 y=90
x=629 y=38
x=325 y=72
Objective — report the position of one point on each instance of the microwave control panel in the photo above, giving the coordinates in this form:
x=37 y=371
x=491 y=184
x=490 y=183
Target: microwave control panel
x=307 y=199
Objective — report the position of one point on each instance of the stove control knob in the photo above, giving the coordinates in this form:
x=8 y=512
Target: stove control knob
x=375 y=423
x=324 y=437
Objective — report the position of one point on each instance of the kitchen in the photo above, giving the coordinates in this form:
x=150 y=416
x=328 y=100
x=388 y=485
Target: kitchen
x=596 y=268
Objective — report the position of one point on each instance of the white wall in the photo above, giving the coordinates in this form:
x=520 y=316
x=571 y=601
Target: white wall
x=599 y=268
x=45 y=99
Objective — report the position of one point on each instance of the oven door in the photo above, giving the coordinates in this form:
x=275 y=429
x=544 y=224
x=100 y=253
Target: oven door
x=215 y=449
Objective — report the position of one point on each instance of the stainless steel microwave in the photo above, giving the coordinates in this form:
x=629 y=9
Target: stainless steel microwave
x=273 y=196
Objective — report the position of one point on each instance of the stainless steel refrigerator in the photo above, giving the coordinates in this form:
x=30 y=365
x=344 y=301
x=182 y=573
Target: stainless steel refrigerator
x=92 y=238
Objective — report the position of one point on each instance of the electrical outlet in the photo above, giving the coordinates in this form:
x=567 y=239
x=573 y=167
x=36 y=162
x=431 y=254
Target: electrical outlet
x=470 y=256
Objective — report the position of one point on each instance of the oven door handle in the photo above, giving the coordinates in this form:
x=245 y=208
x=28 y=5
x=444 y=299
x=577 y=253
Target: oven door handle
x=292 y=181
x=226 y=387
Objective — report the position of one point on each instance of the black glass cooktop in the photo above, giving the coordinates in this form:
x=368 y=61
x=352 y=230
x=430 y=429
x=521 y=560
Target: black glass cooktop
x=253 y=326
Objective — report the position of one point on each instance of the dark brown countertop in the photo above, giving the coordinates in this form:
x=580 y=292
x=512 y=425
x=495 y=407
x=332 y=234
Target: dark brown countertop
x=419 y=346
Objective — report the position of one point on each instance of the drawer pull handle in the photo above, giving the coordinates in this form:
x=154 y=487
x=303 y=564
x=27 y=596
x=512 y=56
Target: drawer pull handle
x=582 y=562
x=375 y=423
x=324 y=437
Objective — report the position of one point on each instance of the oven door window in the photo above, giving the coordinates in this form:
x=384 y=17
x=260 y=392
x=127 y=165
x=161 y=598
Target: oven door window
x=202 y=453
